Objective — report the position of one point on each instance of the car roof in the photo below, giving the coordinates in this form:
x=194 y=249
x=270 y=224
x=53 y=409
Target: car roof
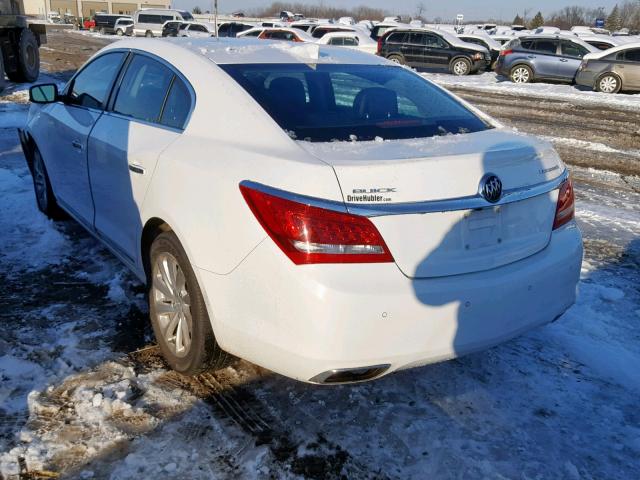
x=609 y=51
x=249 y=51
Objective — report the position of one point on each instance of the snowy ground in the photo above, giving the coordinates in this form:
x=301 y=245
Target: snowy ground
x=83 y=393
x=491 y=82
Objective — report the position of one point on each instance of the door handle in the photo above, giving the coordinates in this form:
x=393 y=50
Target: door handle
x=135 y=168
x=564 y=60
x=77 y=145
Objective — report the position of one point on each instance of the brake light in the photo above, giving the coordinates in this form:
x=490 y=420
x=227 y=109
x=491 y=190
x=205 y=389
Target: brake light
x=504 y=53
x=308 y=234
x=379 y=45
x=565 y=208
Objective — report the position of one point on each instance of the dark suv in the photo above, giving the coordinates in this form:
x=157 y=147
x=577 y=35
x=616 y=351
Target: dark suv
x=542 y=57
x=430 y=49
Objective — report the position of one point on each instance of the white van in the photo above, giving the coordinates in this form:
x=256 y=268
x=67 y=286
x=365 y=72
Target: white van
x=149 y=22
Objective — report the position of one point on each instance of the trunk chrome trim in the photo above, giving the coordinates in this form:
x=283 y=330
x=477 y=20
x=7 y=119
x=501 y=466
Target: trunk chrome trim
x=471 y=202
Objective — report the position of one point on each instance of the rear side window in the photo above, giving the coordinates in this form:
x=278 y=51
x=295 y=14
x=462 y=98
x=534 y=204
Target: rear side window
x=255 y=33
x=525 y=44
x=198 y=28
x=417 y=38
x=178 y=105
x=91 y=86
x=350 y=41
x=143 y=89
x=322 y=103
x=546 y=46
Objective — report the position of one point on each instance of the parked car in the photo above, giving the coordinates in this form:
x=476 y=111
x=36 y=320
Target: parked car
x=356 y=40
x=613 y=70
x=280 y=236
x=485 y=41
x=172 y=28
x=602 y=42
x=322 y=29
x=542 y=57
x=232 y=29
x=278 y=33
x=106 y=22
x=437 y=49
x=197 y=30
x=123 y=26
x=379 y=29
x=149 y=22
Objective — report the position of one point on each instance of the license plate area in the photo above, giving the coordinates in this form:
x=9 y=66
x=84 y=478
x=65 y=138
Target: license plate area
x=483 y=228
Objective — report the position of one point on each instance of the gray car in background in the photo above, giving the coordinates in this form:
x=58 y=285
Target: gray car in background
x=612 y=71
x=542 y=57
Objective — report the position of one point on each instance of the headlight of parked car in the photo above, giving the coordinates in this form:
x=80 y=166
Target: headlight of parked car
x=477 y=56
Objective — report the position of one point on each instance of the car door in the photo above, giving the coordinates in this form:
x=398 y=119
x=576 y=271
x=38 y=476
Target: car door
x=415 y=49
x=69 y=123
x=570 y=59
x=628 y=67
x=198 y=31
x=544 y=58
x=150 y=106
x=437 y=53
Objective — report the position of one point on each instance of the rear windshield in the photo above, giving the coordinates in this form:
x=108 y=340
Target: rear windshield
x=321 y=103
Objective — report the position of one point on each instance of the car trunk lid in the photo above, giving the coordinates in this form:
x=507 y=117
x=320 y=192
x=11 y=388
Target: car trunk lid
x=423 y=197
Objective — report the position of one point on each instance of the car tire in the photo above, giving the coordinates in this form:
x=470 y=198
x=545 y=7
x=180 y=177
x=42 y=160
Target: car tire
x=28 y=58
x=396 y=59
x=178 y=312
x=148 y=34
x=119 y=32
x=521 y=74
x=45 y=199
x=460 y=67
x=102 y=31
x=3 y=82
x=608 y=83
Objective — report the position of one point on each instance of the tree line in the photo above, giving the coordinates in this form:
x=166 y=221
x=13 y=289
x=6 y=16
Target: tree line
x=623 y=15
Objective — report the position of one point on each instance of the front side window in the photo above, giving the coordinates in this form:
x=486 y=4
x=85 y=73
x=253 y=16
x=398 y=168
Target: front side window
x=255 y=33
x=321 y=103
x=90 y=88
x=351 y=41
x=336 y=41
x=571 y=49
x=143 y=89
x=198 y=28
x=435 y=41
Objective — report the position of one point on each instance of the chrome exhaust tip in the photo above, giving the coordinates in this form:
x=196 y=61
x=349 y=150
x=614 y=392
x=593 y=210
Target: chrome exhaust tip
x=349 y=375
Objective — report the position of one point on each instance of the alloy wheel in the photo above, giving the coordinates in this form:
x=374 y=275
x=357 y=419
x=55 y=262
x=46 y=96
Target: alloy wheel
x=40 y=182
x=608 y=84
x=172 y=305
x=520 y=75
x=460 y=68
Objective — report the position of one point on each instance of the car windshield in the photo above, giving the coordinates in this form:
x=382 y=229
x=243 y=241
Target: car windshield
x=321 y=103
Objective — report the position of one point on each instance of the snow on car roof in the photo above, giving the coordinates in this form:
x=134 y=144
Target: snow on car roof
x=609 y=51
x=249 y=50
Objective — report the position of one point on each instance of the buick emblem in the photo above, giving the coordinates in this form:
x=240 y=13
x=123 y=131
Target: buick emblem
x=490 y=188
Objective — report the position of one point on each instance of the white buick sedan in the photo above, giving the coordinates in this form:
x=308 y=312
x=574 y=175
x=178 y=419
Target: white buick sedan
x=321 y=212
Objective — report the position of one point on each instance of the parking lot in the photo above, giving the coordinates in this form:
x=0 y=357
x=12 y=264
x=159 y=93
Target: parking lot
x=85 y=394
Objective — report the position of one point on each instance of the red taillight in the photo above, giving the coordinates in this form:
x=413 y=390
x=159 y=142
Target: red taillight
x=379 y=45
x=565 y=209
x=504 y=53
x=308 y=234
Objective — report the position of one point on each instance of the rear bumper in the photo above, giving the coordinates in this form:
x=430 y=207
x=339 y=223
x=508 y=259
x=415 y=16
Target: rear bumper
x=586 y=78
x=302 y=321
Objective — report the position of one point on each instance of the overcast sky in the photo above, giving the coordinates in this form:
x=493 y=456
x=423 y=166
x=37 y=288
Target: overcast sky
x=472 y=9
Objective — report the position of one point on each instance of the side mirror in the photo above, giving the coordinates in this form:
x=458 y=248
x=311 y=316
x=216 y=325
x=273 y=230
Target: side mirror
x=46 y=93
